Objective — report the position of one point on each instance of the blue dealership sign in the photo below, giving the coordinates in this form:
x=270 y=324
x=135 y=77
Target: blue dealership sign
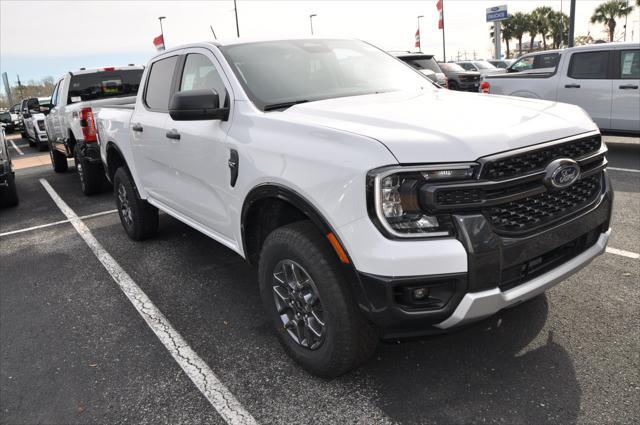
x=497 y=13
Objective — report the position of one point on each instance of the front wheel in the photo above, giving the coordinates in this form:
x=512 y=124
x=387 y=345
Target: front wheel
x=138 y=217
x=309 y=302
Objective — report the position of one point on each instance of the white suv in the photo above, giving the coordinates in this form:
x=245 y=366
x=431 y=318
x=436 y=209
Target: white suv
x=348 y=179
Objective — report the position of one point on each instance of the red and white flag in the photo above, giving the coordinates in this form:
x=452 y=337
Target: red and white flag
x=418 y=38
x=159 y=42
x=440 y=19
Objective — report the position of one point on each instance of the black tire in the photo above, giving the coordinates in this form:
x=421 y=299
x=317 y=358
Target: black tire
x=453 y=85
x=92 y=178
x=58 y=160
x=32 y=143
x=348 y=339
x=9 y=193
x=138 y=217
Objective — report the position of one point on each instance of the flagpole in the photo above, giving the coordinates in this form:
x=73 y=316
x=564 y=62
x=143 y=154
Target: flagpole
x=444 y=53
x=419 y=35
x=160 y=18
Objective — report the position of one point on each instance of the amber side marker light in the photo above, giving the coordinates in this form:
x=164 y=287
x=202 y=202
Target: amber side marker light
x=338 y=248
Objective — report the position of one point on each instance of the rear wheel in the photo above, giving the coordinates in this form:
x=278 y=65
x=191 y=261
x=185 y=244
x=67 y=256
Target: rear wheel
x=309 y=302
x=58 y=160
x=92 y=178
x=138 y=217
x=9 y=193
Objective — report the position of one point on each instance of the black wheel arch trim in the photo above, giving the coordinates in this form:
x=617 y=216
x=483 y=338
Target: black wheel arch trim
x=110 y=145
x=278 y=191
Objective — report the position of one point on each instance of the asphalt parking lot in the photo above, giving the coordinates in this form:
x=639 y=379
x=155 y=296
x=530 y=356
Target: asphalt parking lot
x=74 y=348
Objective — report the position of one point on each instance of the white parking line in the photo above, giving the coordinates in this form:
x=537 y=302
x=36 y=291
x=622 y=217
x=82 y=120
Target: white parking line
x=623 y=253
x=198 y=371
x=15 y=147
x=628 y=170
x=55 y=223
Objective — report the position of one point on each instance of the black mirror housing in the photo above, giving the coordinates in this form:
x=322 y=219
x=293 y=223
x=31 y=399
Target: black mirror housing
x=192 y=105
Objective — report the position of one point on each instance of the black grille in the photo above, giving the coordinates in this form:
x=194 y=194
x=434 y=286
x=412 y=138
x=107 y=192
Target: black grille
x=459 y=196
x=537 y=159
x=528 y=213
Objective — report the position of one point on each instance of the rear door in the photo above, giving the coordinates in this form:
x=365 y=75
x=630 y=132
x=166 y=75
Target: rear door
x=587 y=83
x=200 y=188
x=625 y=111
x=152 y=149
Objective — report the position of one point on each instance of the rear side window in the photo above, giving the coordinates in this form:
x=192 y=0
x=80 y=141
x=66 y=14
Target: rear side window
x=104 y=84
x=199 y=73
x=159 y=83
x=589 y=65
x=547 y=61
x=630 y=64
x=423 y=63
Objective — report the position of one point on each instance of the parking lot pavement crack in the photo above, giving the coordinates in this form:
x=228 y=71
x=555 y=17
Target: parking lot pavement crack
x=196 y=369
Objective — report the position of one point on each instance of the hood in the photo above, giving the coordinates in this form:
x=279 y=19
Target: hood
x=438 y=125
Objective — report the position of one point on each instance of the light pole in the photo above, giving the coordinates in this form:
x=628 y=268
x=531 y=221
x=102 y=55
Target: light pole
x=160 y=18
x=311 y=21
x=419 y=34
x=235 y=10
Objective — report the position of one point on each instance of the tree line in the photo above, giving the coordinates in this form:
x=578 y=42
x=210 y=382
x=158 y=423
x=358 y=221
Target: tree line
x=553 y=26
x=32 y=88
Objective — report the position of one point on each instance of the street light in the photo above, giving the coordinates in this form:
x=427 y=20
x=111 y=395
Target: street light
x=419 y=35
x=311 y=21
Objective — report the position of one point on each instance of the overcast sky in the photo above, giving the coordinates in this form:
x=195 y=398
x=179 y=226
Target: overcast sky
x=42 y=38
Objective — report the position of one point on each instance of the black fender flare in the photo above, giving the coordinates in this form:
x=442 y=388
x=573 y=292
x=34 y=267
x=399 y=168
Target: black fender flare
x=278 y=191
x=112 y=145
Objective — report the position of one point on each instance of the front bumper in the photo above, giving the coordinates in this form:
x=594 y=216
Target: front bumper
x=501 y=272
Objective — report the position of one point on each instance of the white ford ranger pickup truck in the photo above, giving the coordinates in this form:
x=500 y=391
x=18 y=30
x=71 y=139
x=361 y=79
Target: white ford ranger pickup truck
x=375 y=204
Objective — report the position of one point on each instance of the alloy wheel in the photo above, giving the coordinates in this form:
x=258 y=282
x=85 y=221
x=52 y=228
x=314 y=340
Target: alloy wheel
x=123 y=205
x=298 y=304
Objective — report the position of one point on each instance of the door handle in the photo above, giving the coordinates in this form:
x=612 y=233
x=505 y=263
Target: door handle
x=572 y=86
x=173 y=135
x=628 y=86
x=137 y=127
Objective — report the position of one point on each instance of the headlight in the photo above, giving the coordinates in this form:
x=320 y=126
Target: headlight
x=394 y=199
x=41 y=125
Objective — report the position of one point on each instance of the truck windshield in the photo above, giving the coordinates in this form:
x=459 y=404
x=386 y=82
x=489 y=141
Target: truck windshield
x=288 y=72
x=104 y=84
x=484 y=65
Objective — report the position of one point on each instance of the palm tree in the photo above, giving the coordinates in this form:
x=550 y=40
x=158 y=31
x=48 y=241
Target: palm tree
x=533 y=22
x=543 y=13
x=519 y=22
x=558 y=28
x=507 y=32
x=607 y=12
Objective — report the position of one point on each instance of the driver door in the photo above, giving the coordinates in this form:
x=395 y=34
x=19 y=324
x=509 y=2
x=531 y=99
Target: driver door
x=200 y=188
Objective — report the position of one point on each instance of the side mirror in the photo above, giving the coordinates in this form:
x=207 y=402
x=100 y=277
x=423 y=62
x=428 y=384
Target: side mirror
x=192 y=105
x=26 y=115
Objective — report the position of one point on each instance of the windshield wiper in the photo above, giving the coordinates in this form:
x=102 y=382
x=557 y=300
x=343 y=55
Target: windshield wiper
x=283 y=105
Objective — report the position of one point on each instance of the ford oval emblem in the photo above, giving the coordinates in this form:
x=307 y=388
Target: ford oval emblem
x=561 y=173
